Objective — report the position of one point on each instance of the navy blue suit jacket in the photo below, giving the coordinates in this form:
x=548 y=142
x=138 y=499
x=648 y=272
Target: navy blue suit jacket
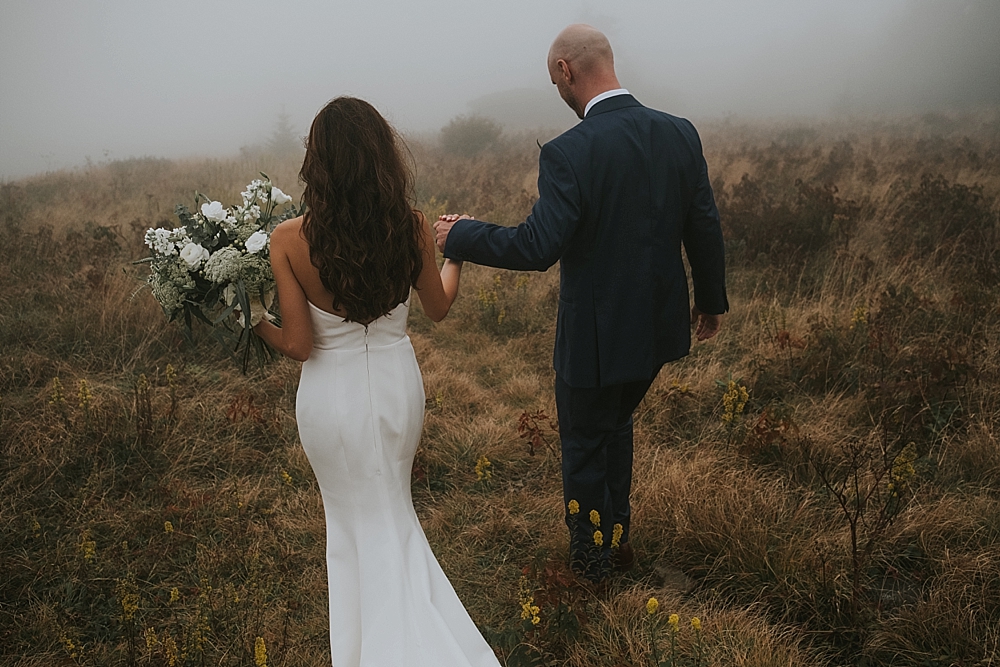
x=618 y=196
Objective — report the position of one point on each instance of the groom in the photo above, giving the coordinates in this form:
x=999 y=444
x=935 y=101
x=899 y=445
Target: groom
x=619 y=194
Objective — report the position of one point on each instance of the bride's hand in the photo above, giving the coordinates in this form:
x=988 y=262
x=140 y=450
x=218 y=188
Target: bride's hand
x=443 y=226
x=258 y=310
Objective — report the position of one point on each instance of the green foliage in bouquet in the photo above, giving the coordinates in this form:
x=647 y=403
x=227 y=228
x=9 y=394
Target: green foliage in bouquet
x=216 y=267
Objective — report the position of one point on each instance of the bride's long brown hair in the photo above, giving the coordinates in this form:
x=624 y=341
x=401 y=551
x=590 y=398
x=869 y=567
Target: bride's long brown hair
x=361 y=228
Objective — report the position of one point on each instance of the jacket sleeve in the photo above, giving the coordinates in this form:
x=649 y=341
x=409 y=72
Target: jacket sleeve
x=538 y=242
x=703 y=242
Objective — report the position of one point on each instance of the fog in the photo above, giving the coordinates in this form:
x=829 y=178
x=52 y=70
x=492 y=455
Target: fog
x=109 y=79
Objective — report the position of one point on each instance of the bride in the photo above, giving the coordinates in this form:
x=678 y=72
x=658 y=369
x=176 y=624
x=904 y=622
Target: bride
x=344 y=272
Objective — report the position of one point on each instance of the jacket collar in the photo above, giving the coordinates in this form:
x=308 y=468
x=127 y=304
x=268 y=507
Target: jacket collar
x=613 y=104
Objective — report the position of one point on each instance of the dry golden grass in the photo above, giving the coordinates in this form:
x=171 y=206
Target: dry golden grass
x=857 y=335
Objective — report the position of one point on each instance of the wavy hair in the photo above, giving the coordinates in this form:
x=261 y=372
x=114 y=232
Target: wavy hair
x=360 y=225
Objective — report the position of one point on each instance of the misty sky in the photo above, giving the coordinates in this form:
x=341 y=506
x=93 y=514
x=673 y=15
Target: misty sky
x=110 y=79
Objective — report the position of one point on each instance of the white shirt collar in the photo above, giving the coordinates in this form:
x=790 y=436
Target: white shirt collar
x=603 y=96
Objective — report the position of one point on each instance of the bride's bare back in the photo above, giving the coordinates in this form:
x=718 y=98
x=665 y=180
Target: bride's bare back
x=298 y=283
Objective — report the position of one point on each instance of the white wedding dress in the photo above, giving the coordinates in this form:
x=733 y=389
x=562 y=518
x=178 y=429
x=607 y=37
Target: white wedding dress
x=360 y=411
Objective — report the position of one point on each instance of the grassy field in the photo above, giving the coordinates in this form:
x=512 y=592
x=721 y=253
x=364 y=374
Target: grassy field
x=819 y=485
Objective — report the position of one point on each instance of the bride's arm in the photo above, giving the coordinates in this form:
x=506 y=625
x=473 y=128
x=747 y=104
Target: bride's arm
x=294 y=338
x=437 y=291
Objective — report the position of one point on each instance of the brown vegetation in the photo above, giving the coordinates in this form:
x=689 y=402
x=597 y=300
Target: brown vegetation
x=157 y=508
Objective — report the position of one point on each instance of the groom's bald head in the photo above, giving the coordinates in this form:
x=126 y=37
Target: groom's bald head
x=586 y=49
x=581 y=65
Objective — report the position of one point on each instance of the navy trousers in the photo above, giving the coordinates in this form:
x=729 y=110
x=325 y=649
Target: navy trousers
x=595 y=427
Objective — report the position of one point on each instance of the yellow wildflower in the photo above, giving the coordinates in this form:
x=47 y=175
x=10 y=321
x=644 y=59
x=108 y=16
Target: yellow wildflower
x=71 y=647
x=733 y=401
x=488 y=298
x=859 y=316
x=652 y=606
x=484 y=469
x=595 y=518
x=903 y=471
x=675 y=622
x=175 y=595
x=529 y=610
x=696 y=623
x=574 y=507
x=171 y=375
x=130 y=605
x=616 y=535
x=57 y=399
x=286 y=477
x=168 y=527
x=598 y=538
x=151 y=640
x=260 y=652
x=128 y=597
x=87 y=546
x=83 y=395
x=170 y=650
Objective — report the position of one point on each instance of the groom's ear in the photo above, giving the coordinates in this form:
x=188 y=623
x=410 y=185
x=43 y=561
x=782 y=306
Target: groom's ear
x=564 y=70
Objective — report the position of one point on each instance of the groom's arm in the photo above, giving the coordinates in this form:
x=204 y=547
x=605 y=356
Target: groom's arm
x=703 y=241
x=538 y=242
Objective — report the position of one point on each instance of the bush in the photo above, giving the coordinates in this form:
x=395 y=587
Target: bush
x=787 y=228
x=468 y=136
x=939 y=218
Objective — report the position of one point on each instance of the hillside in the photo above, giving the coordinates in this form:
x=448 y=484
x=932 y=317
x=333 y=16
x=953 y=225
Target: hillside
x=157 y=507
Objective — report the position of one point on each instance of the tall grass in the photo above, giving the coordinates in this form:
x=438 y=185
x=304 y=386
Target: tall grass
x=170 y=517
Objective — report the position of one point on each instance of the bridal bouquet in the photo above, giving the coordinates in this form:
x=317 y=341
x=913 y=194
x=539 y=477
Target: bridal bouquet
x=216 y=267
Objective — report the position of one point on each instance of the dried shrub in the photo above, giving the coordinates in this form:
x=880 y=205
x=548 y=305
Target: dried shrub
x=940 y=219
x=468 y=136
x=785 y=229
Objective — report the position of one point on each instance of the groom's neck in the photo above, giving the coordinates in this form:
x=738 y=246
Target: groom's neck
x=597 y=83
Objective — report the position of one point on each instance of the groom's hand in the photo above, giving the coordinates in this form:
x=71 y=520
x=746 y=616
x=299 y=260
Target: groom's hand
x=443 y=226
x=707 y=325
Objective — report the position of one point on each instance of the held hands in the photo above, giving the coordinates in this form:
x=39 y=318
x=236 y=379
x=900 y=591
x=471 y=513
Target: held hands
x=443 y=226
x=708 y=325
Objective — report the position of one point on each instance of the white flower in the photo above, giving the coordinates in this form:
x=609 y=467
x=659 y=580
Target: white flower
x=214 y=211
x=256 y=242
x=251 y=213
x=279 y=197
x=229 y=224
x=159 y=241
x=194 y=255
x=257 y=189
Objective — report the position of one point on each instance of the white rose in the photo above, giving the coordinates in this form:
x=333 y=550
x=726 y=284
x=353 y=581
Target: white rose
x=194 y=255
x=214 y=211
x=256 y=242
x=279 y=197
